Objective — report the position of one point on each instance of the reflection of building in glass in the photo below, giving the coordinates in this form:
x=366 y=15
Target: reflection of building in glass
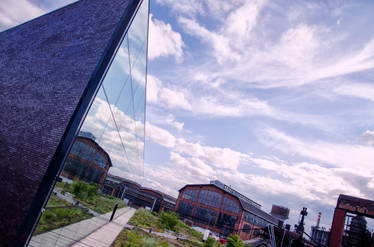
x=219 y=208
x=137 y=195
x=81 y=67
x=87 y=161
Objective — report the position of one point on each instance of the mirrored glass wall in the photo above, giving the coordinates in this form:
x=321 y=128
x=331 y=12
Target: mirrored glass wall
x=109 y=146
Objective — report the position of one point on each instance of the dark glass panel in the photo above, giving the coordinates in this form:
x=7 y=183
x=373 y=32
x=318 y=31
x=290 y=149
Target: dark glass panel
x=227 y=221
x=205 y=216
x=230 y=205
x=185 y=209
x=210 y=198
x=247 y=228
x=190 y=194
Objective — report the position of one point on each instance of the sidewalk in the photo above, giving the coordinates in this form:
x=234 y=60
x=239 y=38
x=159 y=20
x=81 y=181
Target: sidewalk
x=106 y=235
x=71 y=234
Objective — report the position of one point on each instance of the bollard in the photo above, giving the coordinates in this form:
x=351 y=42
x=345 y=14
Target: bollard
x=114 y=211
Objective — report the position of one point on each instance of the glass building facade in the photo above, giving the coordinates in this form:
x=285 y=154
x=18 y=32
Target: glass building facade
x=115 y=121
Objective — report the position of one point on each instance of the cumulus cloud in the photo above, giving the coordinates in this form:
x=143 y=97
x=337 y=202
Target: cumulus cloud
x=166 y=97
x=367 y=138
x=163 y=40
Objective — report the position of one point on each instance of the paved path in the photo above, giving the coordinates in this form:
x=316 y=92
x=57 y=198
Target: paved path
x=68 y=235
x=106 y=235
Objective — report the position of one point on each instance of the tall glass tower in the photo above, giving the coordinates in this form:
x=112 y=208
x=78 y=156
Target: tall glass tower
x=73 y=84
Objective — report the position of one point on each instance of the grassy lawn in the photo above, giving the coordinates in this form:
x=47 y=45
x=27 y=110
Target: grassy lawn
x=139 y=238
x=102 y=203
x=56 y=217
x=159 y=223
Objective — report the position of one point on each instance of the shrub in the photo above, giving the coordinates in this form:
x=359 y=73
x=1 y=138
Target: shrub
x=92 y=189
x=79 y=189
x=210 y=242
x=169 y=220
x=234 y=241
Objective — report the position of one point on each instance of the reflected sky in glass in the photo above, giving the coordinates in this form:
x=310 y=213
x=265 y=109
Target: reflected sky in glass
x=115 y=122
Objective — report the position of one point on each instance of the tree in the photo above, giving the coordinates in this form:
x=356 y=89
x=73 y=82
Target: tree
x=234 y=241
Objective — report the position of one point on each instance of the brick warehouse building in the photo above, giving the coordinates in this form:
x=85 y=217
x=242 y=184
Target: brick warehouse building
x=221 y=209
x=87 y=161
x=137 y=195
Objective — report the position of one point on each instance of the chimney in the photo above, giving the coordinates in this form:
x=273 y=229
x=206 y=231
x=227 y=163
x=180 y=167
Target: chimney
x=318 y=219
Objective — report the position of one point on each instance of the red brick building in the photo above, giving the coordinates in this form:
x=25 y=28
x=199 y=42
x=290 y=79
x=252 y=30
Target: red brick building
x=221 y=209
x=137 y=195
x=87 y=161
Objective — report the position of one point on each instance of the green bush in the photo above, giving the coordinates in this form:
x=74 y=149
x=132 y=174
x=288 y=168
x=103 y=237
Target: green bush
x=169 y=220
x=210 y=242
x=79 y=189
x=92 y=190
x=234 y=241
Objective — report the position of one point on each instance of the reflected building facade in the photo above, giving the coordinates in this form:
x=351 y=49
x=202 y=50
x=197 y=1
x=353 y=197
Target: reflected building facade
x=86 y=73
x=137 y=195
x=87 y=161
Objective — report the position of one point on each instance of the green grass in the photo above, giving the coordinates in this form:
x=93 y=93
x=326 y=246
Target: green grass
x=147 y=219
x=55 y=217
x=189 y=231
x=139 y=238
x=89 y=196
x=102 y=203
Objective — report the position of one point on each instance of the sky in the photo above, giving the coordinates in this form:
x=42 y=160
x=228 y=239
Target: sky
x=275 y=98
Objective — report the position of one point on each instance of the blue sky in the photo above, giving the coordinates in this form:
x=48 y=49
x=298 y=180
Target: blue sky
x=275 y=98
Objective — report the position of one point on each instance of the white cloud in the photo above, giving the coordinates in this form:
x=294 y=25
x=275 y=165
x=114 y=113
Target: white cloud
x=367 y=138
x=160 y=136
x=170 y=120
x=187 y=7
x=350 y=156
x=240 y=22
x=220 y=43
x=174 y=99
x=153 y=88
x=359 y=90
x=166 y=97
x=16 y=12
x=163 y=40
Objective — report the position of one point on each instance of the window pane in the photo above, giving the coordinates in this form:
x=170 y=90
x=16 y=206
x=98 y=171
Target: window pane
x=210 y=198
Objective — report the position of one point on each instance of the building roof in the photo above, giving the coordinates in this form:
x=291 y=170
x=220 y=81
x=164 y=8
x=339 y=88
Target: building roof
x=97 y=146
x=164 y=196
x=245 y=205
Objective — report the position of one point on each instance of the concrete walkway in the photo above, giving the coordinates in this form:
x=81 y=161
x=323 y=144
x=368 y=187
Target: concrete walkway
x=106 y=235
x=71 y=234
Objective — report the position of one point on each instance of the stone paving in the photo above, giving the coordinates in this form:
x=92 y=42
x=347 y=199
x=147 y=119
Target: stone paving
x=106 y=235
x=77 y=232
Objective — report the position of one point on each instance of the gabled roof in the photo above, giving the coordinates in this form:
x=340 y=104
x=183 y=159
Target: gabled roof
x=246 y=206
